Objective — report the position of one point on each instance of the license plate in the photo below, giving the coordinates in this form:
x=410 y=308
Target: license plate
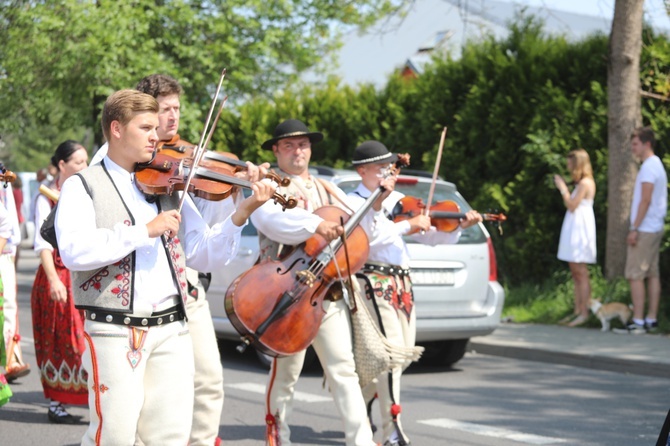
x=432 y=277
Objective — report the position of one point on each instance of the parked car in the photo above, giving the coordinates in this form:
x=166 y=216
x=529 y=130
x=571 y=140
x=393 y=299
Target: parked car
x=456 y=290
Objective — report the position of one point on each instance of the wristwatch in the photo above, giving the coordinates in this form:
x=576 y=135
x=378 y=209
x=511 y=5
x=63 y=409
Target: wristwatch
x=632 y=229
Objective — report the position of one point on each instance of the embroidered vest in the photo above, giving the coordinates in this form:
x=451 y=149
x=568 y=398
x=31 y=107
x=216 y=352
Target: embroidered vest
x=270 y=249
x=112 y=287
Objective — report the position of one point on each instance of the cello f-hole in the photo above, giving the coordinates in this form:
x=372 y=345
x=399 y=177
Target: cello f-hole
x=290 y=267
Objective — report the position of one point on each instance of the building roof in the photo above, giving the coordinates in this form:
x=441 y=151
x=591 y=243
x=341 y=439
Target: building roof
x=407 y=42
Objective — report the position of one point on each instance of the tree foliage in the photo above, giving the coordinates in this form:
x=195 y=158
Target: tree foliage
x=60 y=60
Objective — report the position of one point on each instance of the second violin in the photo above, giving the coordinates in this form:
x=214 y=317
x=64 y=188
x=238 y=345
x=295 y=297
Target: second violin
x=444 y=215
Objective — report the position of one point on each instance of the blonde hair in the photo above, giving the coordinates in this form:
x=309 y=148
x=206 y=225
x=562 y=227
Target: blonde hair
x=581 y=166
x=123 y=105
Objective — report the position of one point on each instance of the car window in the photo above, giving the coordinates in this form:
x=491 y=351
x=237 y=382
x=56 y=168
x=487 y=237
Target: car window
x=413 y=188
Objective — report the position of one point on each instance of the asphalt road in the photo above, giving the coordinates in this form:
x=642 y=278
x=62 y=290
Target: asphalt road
x=484 y=400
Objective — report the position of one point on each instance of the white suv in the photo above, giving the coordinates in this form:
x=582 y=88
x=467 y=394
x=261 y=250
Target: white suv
x=456 y=290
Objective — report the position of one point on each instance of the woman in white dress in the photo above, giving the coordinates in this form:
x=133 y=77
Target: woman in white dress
x=577 y=244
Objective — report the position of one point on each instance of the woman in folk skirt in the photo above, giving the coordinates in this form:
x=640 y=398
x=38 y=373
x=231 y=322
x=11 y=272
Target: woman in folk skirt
x=58 y=327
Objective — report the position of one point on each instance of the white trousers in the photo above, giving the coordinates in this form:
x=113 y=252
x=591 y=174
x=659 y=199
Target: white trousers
x=399 y=330
x=139 y=380
x=11 y=308
x=208 y=382
x=334 y=348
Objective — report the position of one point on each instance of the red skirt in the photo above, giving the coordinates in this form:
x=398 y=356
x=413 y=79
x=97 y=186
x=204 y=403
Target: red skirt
x=58 y=329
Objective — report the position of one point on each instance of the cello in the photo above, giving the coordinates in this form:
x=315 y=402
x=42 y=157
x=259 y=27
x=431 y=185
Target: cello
x=283 y=316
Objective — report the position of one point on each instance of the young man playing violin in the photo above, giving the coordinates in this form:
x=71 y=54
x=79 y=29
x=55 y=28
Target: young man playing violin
x=387 y=268
x=208 y=382
x=208 y=402
x=278 y=232
x=128 y=258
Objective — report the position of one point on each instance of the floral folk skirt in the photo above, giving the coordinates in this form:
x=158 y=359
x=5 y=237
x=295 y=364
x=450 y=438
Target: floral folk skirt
x=58 y=329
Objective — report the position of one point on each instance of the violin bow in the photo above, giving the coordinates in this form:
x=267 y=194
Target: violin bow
x=352 y=299
x=201 y=153
x=200 y=149
x=436 y=171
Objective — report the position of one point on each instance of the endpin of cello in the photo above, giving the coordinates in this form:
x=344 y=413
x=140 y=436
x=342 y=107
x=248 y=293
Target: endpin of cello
x=243 y=346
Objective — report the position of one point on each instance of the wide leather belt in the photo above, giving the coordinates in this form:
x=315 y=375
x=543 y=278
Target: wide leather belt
x=386 y=268
x=171 y=314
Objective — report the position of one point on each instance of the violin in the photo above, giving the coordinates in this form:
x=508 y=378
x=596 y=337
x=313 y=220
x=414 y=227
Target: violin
x=165 y=174
x=444 y=215
x=283 y=316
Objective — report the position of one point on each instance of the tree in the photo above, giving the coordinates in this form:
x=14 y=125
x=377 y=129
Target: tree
x=624 y=115
x=68 y=56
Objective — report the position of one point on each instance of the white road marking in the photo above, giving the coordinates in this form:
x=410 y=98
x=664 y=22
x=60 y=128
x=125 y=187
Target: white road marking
x=298 y=396
x=480 y=429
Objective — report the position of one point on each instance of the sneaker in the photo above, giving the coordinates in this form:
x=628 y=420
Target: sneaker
x=631 y=328
x=651 y=326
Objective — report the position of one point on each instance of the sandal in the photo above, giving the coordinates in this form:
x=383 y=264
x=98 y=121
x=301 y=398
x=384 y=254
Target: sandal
x=579 y=320
x=567 y=319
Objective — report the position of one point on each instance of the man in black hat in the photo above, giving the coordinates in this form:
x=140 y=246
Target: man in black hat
x=387 y=268
x=292 y=145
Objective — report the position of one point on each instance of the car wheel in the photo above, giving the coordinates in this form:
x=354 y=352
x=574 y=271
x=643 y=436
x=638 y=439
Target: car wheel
x=266 y=360
x=444 y=353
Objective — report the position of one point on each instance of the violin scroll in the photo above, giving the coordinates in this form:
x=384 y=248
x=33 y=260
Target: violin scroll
x=284 y=201
x=6 y=176
x=282 y=182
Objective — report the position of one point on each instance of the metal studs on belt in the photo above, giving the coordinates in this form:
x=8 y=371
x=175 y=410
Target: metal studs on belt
x=172 y=318
x=145 y=321
x=159 y=321
x=126 y=320
x=109 y=318
x=92 y=316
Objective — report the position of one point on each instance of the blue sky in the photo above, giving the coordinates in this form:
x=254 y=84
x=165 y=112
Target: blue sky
x=654 y=9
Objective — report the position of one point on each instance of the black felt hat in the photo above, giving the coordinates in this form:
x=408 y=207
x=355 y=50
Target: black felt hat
x=369 y=152
x=289 y=129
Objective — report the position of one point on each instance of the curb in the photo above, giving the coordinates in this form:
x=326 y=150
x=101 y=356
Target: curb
x=596 y=362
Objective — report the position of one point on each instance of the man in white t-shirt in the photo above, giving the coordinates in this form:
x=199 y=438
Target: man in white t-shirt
x=647 y=218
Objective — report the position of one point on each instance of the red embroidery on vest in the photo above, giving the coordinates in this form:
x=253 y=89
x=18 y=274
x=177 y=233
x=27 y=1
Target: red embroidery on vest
x=94 y=281
x=121 y=289
x=179 y=269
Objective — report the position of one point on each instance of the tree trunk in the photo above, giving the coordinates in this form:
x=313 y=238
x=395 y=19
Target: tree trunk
x=623 y=115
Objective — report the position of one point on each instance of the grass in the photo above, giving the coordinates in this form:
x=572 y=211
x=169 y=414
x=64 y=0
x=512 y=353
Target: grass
x=553 y=299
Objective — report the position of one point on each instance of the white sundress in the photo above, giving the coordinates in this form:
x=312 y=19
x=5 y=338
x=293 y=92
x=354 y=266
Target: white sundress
x=577 y=243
